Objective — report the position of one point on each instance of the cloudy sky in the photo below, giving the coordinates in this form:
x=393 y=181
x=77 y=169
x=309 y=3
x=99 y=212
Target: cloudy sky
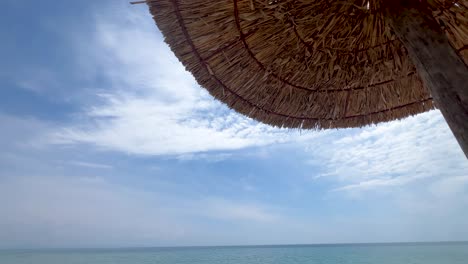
x=107 y=141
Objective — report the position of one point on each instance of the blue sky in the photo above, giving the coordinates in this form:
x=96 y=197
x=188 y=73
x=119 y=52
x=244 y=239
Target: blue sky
x=107 y=141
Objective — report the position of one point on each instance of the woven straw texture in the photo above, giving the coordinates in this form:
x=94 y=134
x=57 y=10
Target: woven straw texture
x=311 y=64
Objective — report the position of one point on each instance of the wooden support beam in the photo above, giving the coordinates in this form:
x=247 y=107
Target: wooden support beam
x=442 y=71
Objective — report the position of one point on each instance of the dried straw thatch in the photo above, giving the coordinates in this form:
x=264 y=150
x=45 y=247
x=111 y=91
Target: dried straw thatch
x=304 y=63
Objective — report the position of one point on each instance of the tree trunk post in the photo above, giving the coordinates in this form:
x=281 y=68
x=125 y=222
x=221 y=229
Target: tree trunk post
x=442 y=71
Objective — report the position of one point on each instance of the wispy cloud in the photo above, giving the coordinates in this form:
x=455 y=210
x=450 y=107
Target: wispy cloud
x=391 y=154
x=377 y=183
x=90 y=165
x=154 y=107
x=209 y=157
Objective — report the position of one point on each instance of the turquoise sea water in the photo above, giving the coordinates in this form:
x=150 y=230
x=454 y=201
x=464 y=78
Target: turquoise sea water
x=441 y=253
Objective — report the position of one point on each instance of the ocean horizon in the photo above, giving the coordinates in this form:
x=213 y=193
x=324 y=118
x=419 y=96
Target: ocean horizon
x=239 y=246
x=452 y=252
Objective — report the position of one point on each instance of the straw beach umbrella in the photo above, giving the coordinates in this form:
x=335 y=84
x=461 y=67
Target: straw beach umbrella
x=319 y=64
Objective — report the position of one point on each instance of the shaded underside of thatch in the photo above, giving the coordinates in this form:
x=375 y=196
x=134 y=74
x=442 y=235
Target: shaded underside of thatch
x=303 y=63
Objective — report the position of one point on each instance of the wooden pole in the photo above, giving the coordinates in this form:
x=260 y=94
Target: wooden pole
x=442 y=71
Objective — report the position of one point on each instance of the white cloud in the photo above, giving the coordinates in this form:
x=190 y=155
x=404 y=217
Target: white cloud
x=90 y=165
x=375 y=183
x=209 y=157
x=391 y=154
x=154 y=106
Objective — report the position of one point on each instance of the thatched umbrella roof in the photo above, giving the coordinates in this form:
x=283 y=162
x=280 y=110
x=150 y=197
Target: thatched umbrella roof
x=304 y=63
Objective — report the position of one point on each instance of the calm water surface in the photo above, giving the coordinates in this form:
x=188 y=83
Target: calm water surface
x=313 y=254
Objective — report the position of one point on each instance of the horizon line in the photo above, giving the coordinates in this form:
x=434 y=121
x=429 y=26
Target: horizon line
x=239 y=246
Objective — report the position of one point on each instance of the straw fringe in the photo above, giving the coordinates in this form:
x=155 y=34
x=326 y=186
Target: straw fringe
x=303 y=63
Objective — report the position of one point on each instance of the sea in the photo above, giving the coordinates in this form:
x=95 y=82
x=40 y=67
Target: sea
x=394 y=253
